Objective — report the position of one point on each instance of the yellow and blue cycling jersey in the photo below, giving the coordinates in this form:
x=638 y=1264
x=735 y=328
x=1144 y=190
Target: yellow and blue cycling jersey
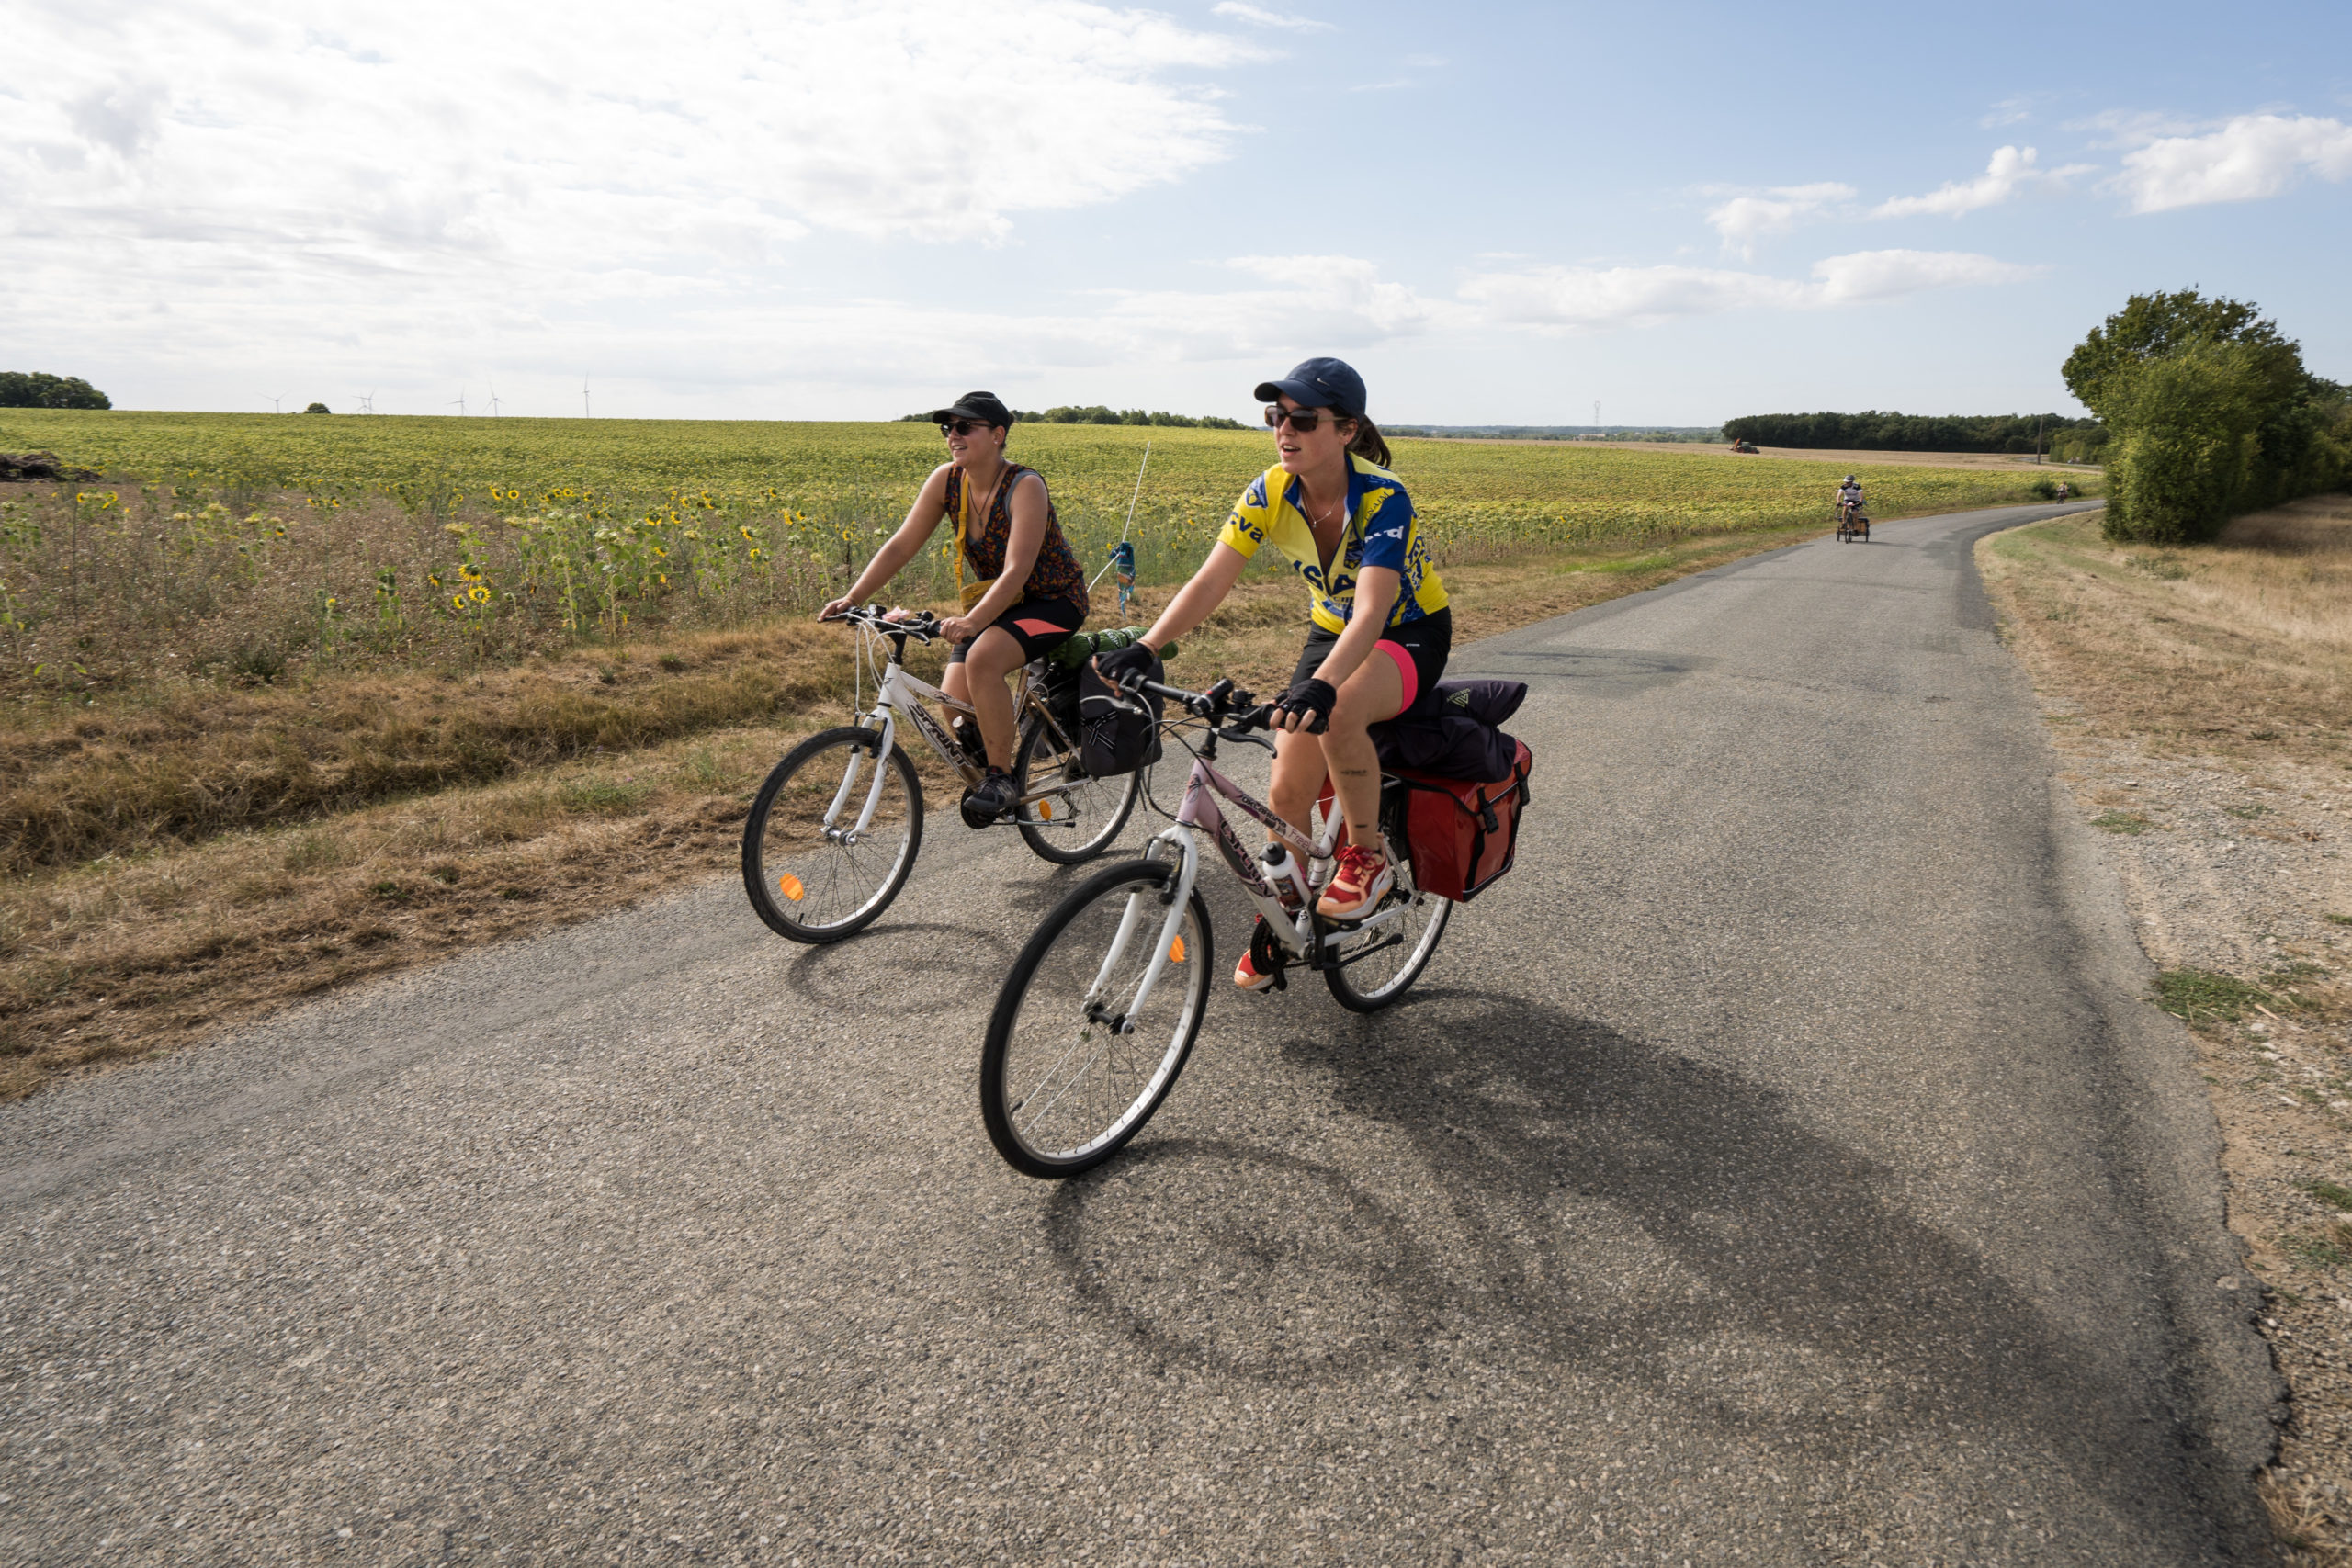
x=1382 y=531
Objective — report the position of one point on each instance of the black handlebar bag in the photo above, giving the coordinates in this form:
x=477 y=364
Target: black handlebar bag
x=1117 y=733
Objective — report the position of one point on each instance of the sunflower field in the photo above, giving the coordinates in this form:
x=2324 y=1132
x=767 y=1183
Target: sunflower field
x=236 y=543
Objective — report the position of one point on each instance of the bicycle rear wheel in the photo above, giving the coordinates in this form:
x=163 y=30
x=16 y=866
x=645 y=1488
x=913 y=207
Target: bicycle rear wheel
x=1080 y=819
x=1061 y=1091
x=1378 y=962
x=815 y=883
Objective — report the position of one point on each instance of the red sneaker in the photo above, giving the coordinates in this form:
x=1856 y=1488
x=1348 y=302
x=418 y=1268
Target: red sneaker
x=1362 y=880
x=1246 y=975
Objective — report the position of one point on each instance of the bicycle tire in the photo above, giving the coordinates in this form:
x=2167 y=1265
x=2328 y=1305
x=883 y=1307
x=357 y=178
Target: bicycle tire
x=1111 y=799
x=1348 y=983
x=775 y=865
x=1046 y=990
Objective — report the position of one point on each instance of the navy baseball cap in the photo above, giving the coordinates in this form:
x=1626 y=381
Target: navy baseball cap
x=1318 y=384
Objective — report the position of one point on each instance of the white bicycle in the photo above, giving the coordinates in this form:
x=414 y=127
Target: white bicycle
x=834 y=832
x=1103 y=1005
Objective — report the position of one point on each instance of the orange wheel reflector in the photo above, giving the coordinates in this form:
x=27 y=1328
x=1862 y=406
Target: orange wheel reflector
x=789 y=886
x=1045 y=810
x=1176 y=950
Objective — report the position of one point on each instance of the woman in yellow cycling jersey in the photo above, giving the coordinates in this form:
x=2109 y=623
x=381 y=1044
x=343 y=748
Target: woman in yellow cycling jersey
x=1380 y=630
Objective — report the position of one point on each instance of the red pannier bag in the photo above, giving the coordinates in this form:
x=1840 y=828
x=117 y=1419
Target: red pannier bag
x=1463 y=834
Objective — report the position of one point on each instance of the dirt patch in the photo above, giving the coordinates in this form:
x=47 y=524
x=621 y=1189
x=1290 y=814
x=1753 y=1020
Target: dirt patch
x=2198 y=698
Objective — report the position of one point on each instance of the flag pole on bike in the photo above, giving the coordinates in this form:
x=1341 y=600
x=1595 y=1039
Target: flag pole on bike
x=1122 y=554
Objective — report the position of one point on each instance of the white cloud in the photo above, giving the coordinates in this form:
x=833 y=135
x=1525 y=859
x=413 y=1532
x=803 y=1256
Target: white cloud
x=2009 y=111
x=1259 y=16
x=2011 y=170
x=1744 y=219
x=2248 y=158
x=1560 y=298
x=545 y=134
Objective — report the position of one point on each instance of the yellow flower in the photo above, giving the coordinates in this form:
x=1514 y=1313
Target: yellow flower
x=661 y=552
x=479 y=594
x=457 y=601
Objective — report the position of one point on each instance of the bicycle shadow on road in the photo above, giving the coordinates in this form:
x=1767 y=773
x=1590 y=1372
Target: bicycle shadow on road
x=1589 y=1211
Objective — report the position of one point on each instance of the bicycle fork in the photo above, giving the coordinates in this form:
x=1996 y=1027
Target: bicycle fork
x=872 y=789
x=1136 y=916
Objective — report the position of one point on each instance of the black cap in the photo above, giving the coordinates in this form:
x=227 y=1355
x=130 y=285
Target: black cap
x=1318 y=384
x=986 y=407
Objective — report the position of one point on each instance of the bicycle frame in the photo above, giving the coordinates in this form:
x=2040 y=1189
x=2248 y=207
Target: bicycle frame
x=1198 y=813
x=896 y=691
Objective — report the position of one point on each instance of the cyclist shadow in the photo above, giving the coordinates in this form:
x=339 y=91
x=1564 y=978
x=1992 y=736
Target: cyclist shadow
x=929 y=964
x=1588 y=1209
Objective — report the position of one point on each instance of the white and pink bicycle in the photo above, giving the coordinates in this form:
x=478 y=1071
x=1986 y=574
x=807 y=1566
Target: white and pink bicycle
x=1101 y=1010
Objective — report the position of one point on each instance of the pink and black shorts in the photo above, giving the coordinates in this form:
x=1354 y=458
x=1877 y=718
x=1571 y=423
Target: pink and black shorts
x=1418 y=647
x=1039 y=625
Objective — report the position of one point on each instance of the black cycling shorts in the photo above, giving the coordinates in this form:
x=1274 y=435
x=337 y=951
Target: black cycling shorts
x=1039 y=625
x=1418 y=647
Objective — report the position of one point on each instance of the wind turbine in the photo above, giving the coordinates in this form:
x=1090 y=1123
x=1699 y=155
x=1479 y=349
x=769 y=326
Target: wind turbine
x=583 y=395
x=1596 y=418
x=493 y=400
x=366 y=402
x=274 y=403
x=457 y=402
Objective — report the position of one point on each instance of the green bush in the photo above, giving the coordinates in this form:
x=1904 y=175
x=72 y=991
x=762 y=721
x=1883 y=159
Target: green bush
x=39 y=390
x=2207 y=412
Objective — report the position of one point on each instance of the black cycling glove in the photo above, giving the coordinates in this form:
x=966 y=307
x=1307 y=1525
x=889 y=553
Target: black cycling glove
x=1116 y=666
x=1314 y=698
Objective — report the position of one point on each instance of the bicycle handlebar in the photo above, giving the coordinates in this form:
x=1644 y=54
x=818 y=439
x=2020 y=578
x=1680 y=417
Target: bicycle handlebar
x=922 y=628
x=1221 y=700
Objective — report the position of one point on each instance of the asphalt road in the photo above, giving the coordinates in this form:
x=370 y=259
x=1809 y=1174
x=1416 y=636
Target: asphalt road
x=1777 y=1168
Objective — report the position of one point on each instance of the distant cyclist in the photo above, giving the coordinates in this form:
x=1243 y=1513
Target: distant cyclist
x=2062 y=490
x=1380 y=628
x=1028 y=593
x=1850 y=500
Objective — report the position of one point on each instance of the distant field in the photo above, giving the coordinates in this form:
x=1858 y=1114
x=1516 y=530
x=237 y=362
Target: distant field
x=799 y=488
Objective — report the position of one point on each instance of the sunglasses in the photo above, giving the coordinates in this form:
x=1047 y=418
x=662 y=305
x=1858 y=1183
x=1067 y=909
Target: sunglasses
x=963 y=426
x=1304 y=421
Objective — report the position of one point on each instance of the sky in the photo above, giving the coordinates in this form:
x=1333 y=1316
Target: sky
x=859 y=209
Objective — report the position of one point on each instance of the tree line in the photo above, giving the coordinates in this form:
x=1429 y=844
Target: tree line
x=2212 y=414
x=1096 y=413
x=1876 y=430
x=39 y=390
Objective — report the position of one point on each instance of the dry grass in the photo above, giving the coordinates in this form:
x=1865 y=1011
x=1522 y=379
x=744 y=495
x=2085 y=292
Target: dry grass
x=588 y=793
x=2241 y=647
x=2210 y=689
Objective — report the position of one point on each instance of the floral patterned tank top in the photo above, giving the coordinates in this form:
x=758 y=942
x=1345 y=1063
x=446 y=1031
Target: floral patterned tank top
x=1056 y=575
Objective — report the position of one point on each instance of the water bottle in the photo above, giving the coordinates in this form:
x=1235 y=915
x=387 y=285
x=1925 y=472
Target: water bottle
x=1283 y=870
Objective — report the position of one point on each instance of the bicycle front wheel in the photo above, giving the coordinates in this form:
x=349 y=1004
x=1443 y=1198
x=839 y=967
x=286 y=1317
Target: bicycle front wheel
x=1378 y=962
x=1079 y=821
x=1072 y=1069
x=812 y=874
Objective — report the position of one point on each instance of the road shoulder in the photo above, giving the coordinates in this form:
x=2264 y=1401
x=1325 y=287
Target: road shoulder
x=2206 y=803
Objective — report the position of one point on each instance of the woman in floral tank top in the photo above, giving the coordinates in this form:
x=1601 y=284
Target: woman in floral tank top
x=1023 y=590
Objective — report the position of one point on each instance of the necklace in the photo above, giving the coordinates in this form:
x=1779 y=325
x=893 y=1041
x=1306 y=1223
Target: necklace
x=1337 y=523
x=979 y=514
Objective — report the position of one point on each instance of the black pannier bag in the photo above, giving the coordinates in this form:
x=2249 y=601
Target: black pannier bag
x=1453 y=733
x=1117 y=733
x=1463 y=785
